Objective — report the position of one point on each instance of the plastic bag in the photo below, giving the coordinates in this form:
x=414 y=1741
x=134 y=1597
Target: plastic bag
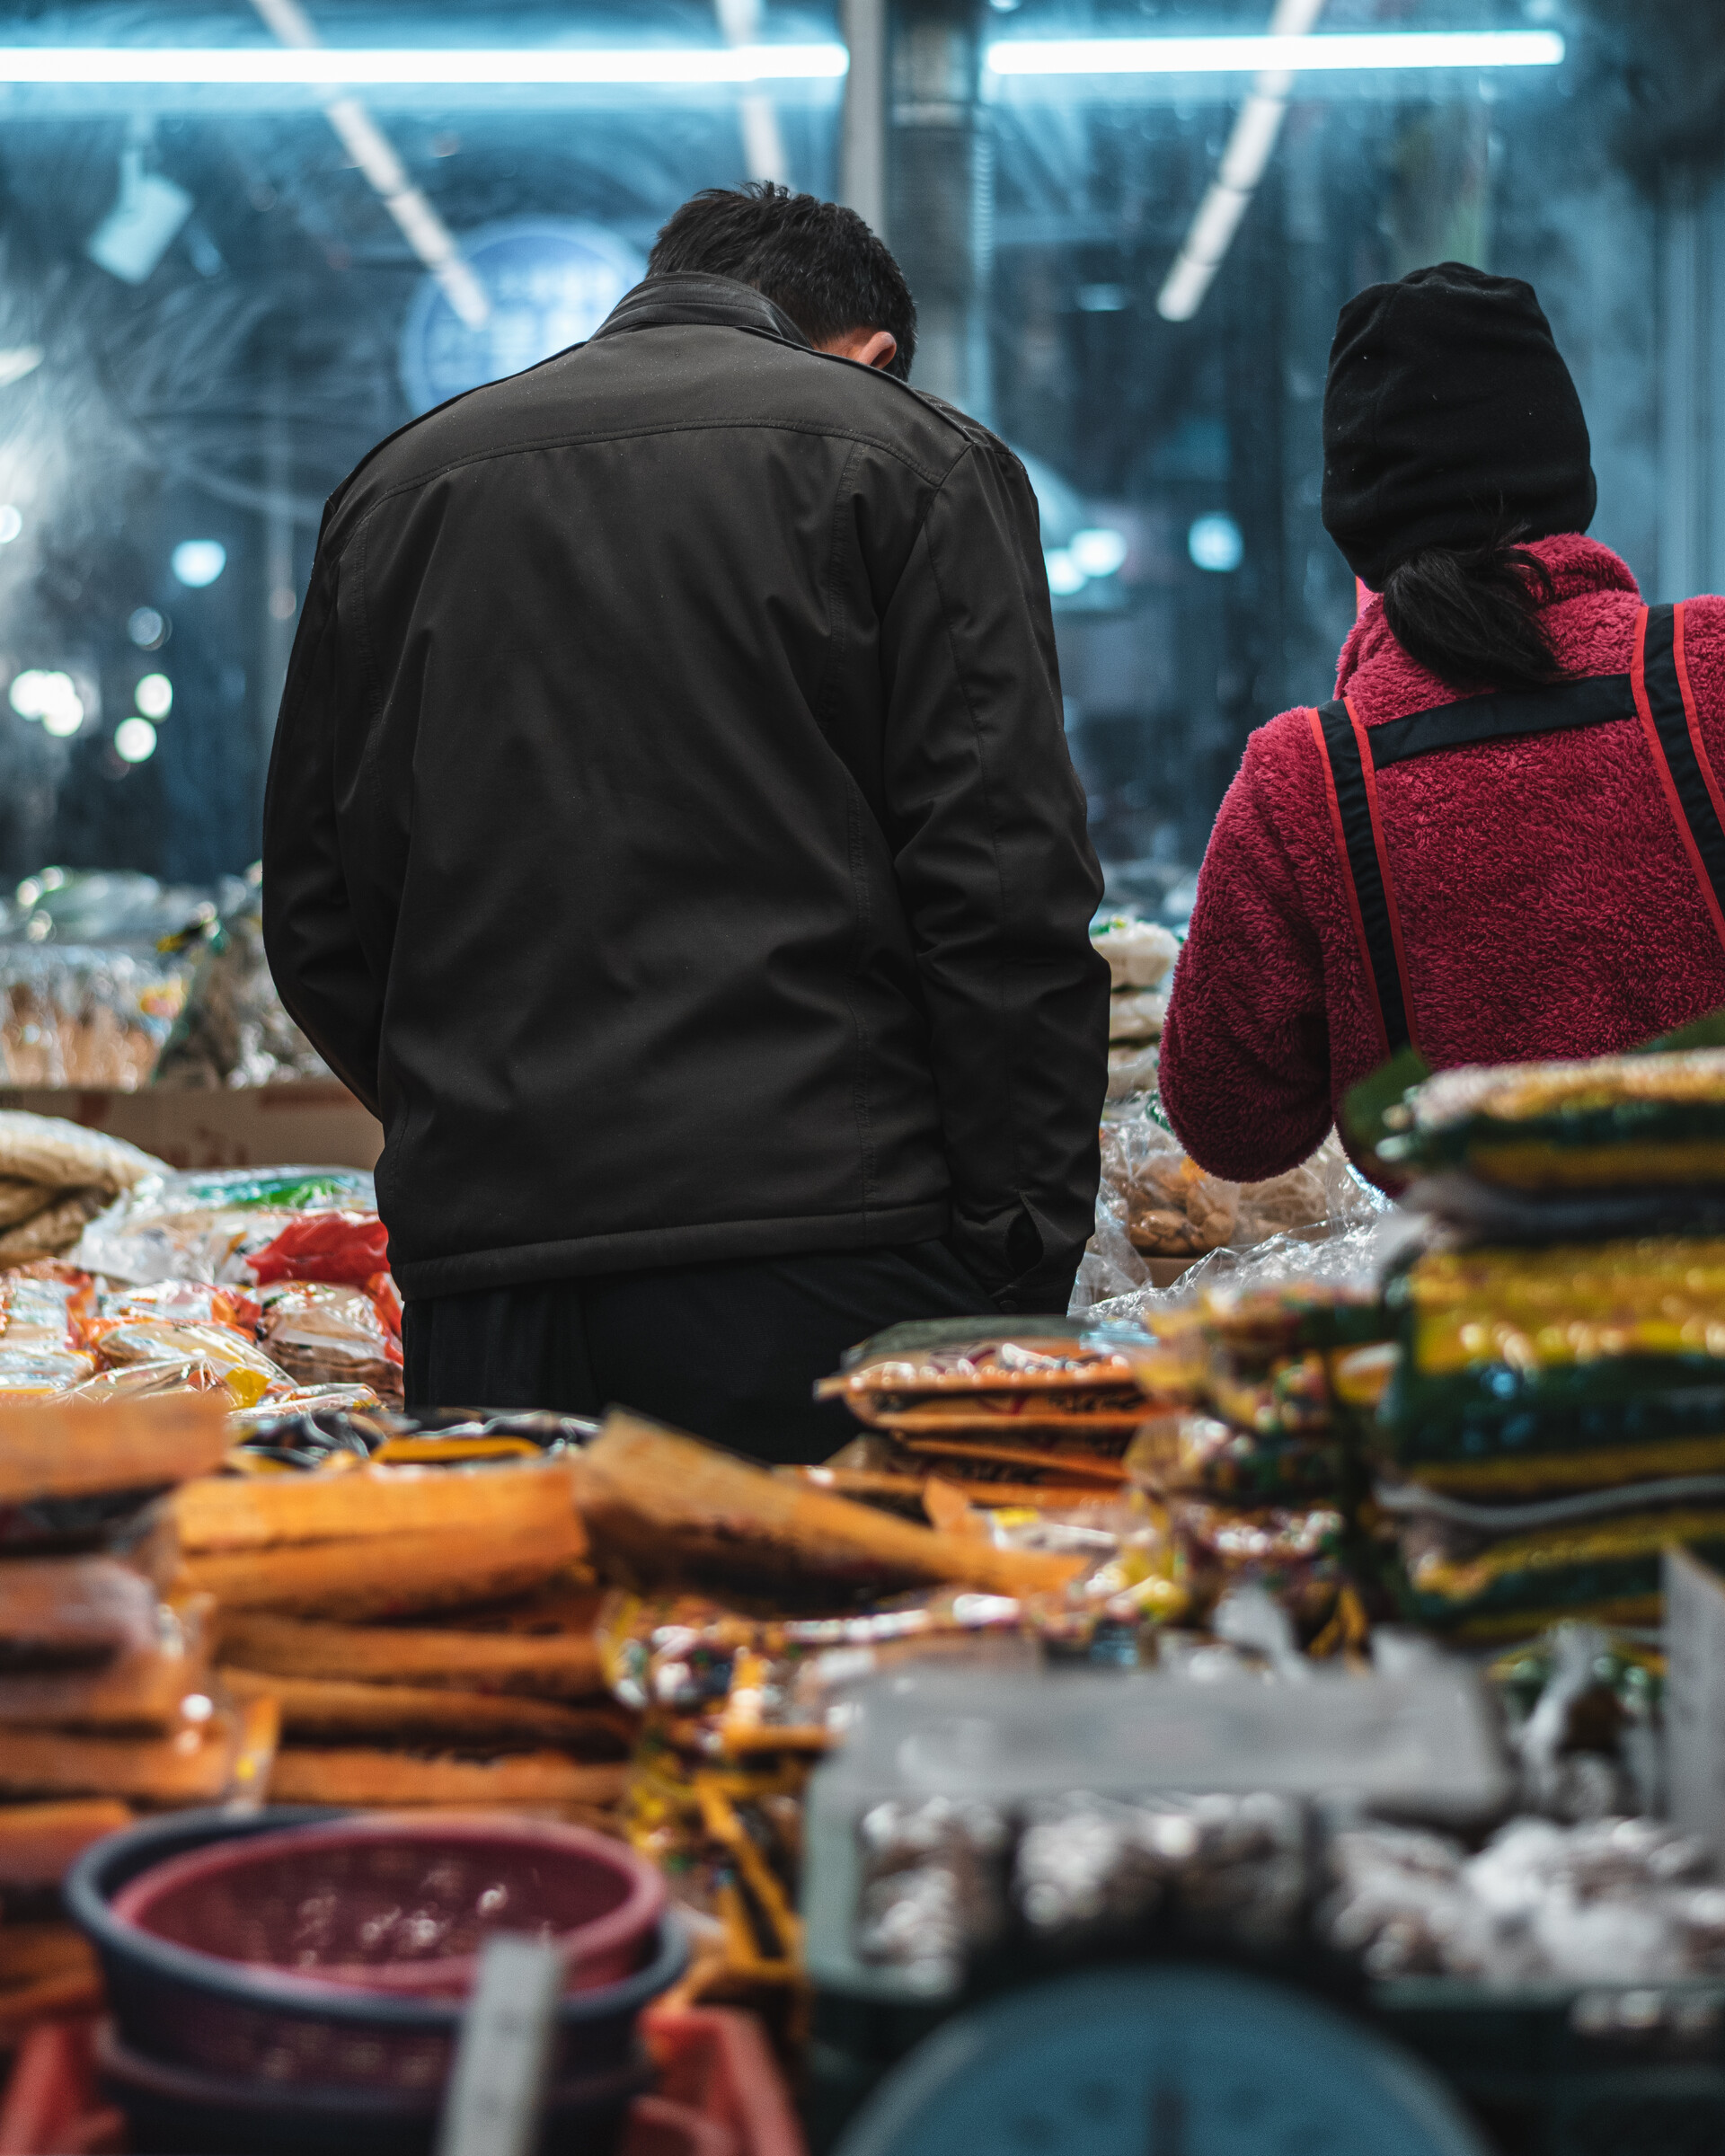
x=337 y=1245
x=206 y=1224
x=321 y=1333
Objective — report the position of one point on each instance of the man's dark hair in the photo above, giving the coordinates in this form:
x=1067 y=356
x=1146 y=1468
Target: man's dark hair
x=817 y=260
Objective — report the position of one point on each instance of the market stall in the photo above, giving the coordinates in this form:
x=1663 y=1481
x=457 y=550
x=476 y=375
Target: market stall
x=1301 y=1620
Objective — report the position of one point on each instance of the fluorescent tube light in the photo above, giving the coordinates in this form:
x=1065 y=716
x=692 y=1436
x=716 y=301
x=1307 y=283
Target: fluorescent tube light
x=1250 y=55
x=1229 y=195
x=331 y=66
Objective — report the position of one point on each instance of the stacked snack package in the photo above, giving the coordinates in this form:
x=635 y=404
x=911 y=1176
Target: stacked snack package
x=1557 y=1417
x=106 y=1701
x=1140 y=955
x=1254 y=1468
x=425 y=1629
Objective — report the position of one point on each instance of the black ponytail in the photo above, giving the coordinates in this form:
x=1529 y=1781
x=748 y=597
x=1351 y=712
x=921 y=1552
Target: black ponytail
x=1470 y=613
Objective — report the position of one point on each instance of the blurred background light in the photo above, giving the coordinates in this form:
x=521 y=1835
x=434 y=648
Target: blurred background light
x=1064 y=576
x=457 y=66
x=155 y=695
x=11 y=522
x=197 y=562
x=146 y=627
x=134 y=740
x=18 y=360
x=1099 y=550
x=1213 y=542
x=39 y=694
x=1338 y=51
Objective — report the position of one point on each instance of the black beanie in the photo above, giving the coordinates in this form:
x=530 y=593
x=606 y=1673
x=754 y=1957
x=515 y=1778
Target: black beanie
x=1448 y=414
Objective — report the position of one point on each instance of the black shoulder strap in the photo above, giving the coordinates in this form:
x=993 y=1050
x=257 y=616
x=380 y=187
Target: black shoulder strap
x=1371 y=896
x=1666 y=707
x=1595 y=701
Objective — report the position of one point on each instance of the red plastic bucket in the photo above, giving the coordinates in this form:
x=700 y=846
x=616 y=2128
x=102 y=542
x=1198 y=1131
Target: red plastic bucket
x=393 y=1904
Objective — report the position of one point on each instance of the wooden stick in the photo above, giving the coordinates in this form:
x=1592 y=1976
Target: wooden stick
x=540 y=1665
x=325 y=1708
x=370 y=1777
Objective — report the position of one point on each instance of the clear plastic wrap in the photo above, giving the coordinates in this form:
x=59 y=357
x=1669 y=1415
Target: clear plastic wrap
x=321 y=1333
x=206 y=1224
x=233 y=1030
x=1157 y=1210
x=86 y=1017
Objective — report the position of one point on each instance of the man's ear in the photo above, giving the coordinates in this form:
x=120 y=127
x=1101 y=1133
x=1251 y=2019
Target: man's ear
x=868 y=348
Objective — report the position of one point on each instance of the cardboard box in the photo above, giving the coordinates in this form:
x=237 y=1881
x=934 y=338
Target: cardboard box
x=316 y=1124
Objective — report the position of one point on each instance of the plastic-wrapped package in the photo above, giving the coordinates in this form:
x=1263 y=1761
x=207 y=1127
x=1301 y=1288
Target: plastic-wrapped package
x=932 y=1891
x=1610 y=1122
x=947 y=1375
x=1612 y=1900
x=1293 y=1551
x=1172 y=1211
x=321 y=1333
x=336 y=1245
x=84 y=1017
x=1140 y=954
x=184 y=1302
x=233 y=1030
x=1189 y=1454
x=207 y=1223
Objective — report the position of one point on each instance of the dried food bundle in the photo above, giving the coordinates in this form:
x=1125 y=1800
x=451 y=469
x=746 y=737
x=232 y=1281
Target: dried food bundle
x=86 y=1641
x=64 y=1450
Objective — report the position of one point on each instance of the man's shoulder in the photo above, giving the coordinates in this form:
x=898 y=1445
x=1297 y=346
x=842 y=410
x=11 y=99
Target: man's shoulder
x=651 y=382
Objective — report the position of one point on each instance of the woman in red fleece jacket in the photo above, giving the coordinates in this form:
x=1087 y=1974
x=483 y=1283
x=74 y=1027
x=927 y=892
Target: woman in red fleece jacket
x=1537 y=868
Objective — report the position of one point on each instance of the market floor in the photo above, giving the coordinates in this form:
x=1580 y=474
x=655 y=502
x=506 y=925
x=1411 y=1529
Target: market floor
x=731 y=1352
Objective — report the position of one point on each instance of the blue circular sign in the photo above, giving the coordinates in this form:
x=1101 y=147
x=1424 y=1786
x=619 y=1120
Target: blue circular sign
x=551 y=282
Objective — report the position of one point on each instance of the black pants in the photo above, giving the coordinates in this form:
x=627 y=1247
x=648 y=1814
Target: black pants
x=730 y=1351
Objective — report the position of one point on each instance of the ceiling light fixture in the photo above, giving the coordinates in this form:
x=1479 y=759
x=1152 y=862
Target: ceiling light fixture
x=1246 y=54
x=325 y=66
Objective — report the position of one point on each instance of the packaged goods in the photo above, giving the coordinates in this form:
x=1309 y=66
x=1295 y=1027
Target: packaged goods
x=1605 y=1124
x=321 y=1333
x=246 y=1373
x=1202 y=1455
x=207 y=1223
x=231 y=1028
x=1139 y=953
x=942 y=1377
x=1609 y=1901
x=1137 y=1014
x=78 y=1015
x=336 y=1245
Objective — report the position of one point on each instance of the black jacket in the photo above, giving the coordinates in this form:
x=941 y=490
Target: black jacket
x=670 y=831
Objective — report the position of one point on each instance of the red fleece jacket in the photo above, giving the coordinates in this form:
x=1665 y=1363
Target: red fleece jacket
x=1548 y=907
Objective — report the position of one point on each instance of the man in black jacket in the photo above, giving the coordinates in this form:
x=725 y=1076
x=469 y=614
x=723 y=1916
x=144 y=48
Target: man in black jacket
x=671 y=837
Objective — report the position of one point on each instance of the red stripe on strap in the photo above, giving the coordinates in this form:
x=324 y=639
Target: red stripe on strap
x=1370 y=773
x=1316 y=724
x=1637 y=683
x=1700 y=747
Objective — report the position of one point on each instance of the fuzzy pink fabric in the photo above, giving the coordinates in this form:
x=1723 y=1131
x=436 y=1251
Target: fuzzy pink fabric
x=1547 y=905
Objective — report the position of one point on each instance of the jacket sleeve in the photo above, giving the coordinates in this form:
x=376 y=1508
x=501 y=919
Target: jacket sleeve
x=309 y=934
x=986 y=819
x=1244 y=1068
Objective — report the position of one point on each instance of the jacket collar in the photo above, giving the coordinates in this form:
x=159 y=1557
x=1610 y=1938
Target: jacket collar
x=691 y=296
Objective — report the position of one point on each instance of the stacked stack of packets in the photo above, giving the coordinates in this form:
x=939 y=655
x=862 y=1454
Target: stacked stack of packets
x=1558 y=1416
